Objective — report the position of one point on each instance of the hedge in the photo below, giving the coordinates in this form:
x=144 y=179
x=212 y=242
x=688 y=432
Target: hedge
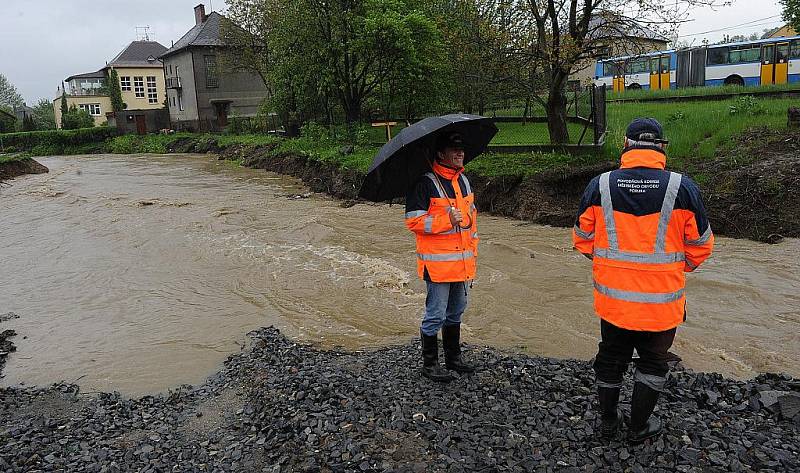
x=56 y=141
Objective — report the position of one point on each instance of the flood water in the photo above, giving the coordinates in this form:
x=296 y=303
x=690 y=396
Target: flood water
x=141 y=273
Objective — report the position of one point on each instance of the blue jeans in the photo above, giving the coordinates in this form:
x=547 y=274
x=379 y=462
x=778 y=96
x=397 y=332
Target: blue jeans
x=444 y=305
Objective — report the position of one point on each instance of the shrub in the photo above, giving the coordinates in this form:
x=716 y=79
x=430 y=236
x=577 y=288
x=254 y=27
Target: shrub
x=747 y=105
x=75 y=119
x=56 y=141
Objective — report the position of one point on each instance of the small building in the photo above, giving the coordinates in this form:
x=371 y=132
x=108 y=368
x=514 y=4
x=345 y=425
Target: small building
x=784 y=31
x=86 y=92
x=7 y=121
x=22 y=111
x=141 y=78
x=616 y=35
x=202 y=95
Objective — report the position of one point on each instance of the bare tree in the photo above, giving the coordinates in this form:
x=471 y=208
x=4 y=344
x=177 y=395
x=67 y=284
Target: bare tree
x=568 y=33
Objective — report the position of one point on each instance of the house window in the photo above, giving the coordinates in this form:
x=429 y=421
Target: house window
x=180 y=101
x=92 y=109
x=125 y=83
x=138 y=86
x=170 y=69
x=212 y=79
x=152 y=91
x=603 y=52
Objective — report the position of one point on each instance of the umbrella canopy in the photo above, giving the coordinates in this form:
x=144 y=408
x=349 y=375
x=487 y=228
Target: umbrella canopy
x=400 y=162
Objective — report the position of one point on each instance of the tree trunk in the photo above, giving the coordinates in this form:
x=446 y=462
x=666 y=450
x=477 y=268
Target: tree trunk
x=557 y=109
x=353 y=110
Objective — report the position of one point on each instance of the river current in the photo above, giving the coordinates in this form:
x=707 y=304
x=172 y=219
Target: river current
x=141 y=273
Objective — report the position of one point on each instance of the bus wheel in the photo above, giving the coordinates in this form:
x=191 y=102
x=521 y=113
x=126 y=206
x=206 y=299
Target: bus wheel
x=734 y=80
x=634 y=87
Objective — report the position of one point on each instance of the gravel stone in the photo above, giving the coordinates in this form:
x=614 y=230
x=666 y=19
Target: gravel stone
x=281 y=407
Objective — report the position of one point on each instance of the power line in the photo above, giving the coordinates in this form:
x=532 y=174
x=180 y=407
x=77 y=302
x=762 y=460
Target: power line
x=749 y=24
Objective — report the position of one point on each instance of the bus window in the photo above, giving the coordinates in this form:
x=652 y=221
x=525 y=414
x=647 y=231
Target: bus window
x=609 y=69
x=655 y=68
x=795 y=52
x=751 y=54
x=782 y=53
x=665 y=60
x=717 y=56
x=638 y=66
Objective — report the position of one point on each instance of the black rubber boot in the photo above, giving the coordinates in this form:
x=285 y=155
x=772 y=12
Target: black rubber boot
x=451 y=341
x=643 y=425
x=430 y=360
x=610 y=415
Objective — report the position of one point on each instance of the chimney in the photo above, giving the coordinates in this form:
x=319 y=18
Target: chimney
x=199 y=14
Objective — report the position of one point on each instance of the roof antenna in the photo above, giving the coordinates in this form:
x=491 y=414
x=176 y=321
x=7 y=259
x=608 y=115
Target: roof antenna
x=143 y=33
x=210 y=6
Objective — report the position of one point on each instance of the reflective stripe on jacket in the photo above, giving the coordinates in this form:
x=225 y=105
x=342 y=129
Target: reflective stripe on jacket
x=644 y=227
x=444 y=253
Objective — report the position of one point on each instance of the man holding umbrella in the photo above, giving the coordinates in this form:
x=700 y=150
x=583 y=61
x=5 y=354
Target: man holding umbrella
x=440 y=210
x=425 y=163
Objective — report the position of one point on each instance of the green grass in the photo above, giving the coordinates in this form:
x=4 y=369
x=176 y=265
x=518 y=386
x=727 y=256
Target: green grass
x=523 y=164
x=700 y=91
x=247 y=139
x=697 y=130
x=158 y=144
x=10 y=158
x=509 y=133
x=329 y=151
x=535 y=133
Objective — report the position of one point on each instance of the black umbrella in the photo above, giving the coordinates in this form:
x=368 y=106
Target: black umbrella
x=400 y=162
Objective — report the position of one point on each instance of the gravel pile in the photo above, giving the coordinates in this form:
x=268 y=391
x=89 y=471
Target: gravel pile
x=281 y=406
x=6 y=346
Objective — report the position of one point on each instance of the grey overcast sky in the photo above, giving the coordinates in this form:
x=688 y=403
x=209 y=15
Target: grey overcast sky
x=44 y=41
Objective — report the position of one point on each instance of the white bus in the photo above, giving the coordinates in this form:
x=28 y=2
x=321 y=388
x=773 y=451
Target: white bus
x=752 y=63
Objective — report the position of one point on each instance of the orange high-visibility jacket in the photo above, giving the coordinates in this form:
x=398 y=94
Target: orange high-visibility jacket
x=444 y=253
x=643 y=227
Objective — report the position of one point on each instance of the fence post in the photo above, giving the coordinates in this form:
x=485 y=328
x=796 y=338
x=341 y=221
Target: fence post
x=794 y=117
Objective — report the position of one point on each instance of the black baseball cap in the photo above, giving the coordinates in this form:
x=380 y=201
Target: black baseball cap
x=452 y=139
x=646 y=129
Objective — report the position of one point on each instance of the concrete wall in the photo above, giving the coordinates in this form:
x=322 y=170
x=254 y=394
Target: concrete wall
x=103 y=100
x=129 y=97
x=155 y=120
x=180 y=65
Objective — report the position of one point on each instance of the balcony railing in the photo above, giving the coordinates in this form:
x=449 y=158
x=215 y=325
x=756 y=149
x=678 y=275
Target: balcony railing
x=173 y=82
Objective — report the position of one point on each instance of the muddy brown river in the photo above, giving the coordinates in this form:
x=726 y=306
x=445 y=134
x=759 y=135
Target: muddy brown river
x=141 y=273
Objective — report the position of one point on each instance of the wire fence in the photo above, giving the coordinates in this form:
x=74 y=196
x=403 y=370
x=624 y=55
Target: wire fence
x=518 y=125
x=528 y=126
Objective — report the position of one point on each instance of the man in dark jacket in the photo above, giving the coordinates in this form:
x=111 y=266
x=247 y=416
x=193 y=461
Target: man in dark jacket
x=644 y=228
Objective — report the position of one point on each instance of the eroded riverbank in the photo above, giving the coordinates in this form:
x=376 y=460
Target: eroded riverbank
x=10 y=169
x=140 y=273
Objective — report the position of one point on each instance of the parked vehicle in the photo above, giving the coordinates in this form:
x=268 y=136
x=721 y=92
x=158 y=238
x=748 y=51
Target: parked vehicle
x=751 y=63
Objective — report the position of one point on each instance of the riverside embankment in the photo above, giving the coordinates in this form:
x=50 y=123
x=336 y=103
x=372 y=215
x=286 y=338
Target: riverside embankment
x=13 y=166
x=750 y=185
